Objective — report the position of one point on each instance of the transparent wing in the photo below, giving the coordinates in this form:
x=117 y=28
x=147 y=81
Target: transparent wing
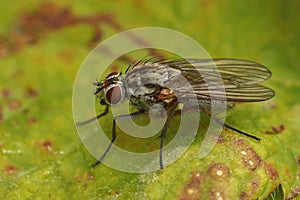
x=235 y=71
x=221 y=79
x=247 y=93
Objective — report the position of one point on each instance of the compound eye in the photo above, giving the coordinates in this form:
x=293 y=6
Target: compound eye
x=114 y=95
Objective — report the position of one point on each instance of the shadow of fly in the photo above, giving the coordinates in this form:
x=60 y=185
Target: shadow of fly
x=147 y=82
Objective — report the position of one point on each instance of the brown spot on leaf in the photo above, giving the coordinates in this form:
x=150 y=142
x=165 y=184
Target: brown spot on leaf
x=31 y=120
x=218 y=171
x=84 y=179
x=47 y=17
x=5 y=93
x=11 y=169
x=217 y=194
x=294 y=193
x=31 y=92
x=47 y=145
x=276 y=130
x=14 y=104
x=270 y=170
x=86 y=176
x=221 y=139
x=254 y=186
x=78 y=179
x=249 y=157
x=251 y=160
x=90 y=176
x=191 y=190
x=244 y=196
x=49 y=148
x=238 y=142
x=25 y=111
x=31 y=27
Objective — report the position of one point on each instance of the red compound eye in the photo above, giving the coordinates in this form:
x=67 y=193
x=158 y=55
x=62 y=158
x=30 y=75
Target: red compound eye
x=114 y=95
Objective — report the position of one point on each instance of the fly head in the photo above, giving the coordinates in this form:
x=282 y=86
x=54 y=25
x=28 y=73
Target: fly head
x=111 y=91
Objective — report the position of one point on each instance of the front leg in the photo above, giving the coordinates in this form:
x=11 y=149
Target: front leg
x=94 y=118
x=114 y=134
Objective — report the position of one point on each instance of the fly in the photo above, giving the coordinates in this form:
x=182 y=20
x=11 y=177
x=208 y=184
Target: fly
x=147 y=82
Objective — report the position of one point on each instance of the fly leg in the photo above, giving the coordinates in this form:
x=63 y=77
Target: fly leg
x=237 y=130
x=163 y=133
x=114 y=134
x=222 y=123
x=94 y=118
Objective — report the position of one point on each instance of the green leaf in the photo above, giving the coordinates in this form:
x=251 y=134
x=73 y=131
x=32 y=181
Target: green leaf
x=41 y=48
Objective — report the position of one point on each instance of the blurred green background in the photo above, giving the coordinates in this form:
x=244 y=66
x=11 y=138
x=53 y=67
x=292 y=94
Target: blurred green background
x=43 y=43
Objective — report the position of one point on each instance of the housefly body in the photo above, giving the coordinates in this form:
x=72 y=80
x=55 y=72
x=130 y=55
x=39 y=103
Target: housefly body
x=156 y=81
